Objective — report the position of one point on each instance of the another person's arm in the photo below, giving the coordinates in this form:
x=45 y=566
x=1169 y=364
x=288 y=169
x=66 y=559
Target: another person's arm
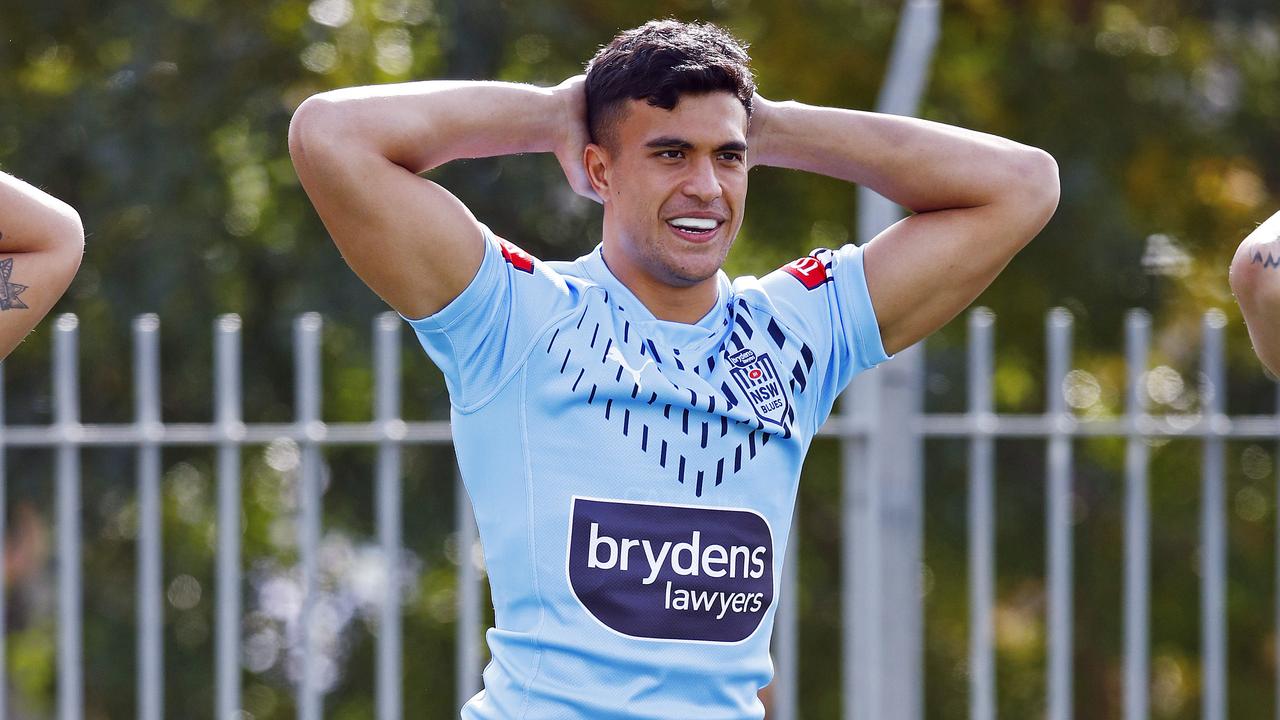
x=977 y=198
x=358 y=153
x=1255 y=280
x=41 y=243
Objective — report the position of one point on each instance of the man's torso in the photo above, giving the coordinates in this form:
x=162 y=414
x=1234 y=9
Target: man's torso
x=633 y=482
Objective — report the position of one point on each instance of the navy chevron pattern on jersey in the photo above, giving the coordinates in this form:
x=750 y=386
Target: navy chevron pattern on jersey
x=703 y=408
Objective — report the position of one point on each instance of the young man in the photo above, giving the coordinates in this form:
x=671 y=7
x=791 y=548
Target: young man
x=631 y=425
x=1255 y=280
x=41 y=243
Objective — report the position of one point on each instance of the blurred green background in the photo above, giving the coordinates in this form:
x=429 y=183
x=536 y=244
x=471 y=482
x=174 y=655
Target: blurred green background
x=164 y=123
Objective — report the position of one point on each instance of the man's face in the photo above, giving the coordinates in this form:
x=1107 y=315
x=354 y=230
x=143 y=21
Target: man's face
x=674 y=186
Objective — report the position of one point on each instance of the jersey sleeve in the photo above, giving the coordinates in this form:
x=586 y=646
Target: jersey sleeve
x=824 y=297
x=480 y=339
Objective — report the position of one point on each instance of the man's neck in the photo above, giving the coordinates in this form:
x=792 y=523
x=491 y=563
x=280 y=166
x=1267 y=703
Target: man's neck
x=684 y=304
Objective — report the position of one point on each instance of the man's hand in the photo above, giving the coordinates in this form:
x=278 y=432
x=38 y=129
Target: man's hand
x=1255 y=280
x=758 y=130
x=571 y=146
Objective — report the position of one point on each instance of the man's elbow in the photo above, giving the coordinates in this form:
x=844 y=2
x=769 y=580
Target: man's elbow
x=1039 y=186
x=63 y=245
x=1029 y=194
x=316 y=127
x=66 y=232
x=1255 y=282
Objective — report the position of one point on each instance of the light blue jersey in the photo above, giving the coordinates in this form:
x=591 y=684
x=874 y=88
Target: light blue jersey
x=633 y=479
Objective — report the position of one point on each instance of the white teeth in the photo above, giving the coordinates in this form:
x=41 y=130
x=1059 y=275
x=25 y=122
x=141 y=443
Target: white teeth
x=695 y=223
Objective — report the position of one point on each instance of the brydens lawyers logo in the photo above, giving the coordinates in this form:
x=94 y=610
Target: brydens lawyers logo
x=671 y=572
x=758 y=379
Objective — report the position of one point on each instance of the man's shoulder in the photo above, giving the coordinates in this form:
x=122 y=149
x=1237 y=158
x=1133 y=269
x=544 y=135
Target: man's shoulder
x=797 y=279
x=573 y=273
x=569 y=269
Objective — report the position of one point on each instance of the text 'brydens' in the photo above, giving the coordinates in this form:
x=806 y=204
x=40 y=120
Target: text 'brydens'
x=671 y=572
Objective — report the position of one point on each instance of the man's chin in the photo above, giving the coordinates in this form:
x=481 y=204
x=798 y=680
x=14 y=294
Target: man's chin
x=684 y=265
x=684 y=281
x=691 y=273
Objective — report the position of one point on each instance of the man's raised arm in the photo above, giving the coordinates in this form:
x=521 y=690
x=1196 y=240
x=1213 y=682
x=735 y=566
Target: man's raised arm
x=1255 y=279
x=977 y=200
x=358 y=153
x=41 y=243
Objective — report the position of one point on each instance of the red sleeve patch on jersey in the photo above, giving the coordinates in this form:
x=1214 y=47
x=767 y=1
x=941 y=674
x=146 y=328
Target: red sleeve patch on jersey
x=809 y=270
x=518 y=258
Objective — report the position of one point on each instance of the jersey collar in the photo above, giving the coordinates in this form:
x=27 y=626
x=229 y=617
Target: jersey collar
x=710 y=324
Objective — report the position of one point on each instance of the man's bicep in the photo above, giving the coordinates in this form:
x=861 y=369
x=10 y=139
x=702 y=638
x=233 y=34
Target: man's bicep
x=409 y=239
x=925 y=269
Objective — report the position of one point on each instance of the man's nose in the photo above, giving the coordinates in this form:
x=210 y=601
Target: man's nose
x=702 y=182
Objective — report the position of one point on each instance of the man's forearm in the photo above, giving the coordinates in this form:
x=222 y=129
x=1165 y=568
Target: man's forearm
x=422 y=125
x=918 y=164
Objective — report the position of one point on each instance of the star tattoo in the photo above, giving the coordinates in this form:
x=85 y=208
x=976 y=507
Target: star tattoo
x=10 y=291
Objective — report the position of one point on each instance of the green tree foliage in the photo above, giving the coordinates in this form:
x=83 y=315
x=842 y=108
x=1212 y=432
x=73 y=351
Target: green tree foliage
x=164 y=122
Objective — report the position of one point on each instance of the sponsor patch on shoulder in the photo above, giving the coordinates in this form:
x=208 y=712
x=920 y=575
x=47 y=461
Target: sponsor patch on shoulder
x=810 y=270
x=671 y=572
x=518 y=258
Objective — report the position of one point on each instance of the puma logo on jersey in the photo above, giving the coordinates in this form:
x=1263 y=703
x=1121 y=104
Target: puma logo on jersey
x=616 y=355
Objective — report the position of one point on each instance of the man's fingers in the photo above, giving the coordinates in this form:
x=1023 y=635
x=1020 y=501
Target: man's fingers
x=586 y=191
x=576 y=174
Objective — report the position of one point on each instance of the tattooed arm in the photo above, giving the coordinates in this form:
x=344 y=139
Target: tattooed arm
x=41 y=241
x=1255 y=280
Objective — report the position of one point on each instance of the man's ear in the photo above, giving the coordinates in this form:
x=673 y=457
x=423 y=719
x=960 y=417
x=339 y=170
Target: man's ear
x=597 y=161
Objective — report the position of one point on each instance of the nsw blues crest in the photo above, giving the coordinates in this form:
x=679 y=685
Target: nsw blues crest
x=756 y=375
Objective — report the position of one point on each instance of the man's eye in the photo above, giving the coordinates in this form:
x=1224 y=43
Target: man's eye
x=671 y=154
x=731 y=156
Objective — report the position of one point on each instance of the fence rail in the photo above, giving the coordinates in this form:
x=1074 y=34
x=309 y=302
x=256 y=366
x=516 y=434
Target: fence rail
x=67 y=435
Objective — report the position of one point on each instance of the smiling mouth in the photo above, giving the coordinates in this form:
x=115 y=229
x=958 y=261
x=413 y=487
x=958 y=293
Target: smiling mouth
x=694 y=228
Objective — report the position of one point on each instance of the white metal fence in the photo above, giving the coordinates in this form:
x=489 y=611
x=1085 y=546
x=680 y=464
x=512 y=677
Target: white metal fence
x=865 y=478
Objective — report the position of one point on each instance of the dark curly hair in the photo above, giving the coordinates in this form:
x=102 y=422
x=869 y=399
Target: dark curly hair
x=660 y=61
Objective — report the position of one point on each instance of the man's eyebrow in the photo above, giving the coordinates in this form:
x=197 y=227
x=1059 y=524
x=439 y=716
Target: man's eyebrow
x=669 y=142
x=681 y=144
